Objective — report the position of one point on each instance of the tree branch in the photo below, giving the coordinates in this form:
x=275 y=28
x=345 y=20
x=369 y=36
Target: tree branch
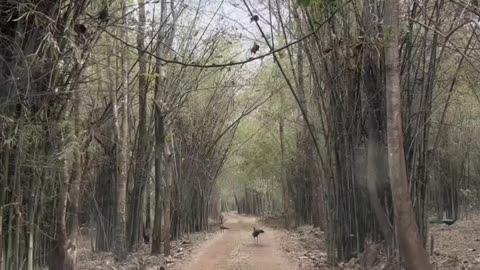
x=232 y=63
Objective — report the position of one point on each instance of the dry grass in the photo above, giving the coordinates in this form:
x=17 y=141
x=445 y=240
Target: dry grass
x=456 y=247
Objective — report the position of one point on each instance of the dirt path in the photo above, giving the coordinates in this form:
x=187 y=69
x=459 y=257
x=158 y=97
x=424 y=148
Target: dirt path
x=235 y=249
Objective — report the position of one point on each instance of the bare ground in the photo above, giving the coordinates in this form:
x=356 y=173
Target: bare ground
x=235 y=249
x=141 y=259
x=455 y=247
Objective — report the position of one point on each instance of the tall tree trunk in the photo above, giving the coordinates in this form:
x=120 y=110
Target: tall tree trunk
x=311 y=210
x=140 y=174
x=160 y=126
x=121 y=130
x=159 y=150
x=376 y=167
x=411 y=246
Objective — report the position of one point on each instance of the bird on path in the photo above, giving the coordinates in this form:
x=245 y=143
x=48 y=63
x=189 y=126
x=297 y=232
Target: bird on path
x=444 y=221
x=449 y=221
x=256 y=233
x=223 y=228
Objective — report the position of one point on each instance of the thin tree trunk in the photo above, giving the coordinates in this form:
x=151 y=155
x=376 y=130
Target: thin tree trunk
x=3 y=191
x=33 y=206
x=285 y=196
x=374 y=169
x=159 y=149
x=148 y=222
x=18 y=215
x=411 y=246
x=77 y=177
x=159 y=146
x=167 y=196
x=59 y=260
x=2 y=261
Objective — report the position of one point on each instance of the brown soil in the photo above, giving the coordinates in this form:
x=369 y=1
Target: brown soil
x=235 y=249
x=455 y=247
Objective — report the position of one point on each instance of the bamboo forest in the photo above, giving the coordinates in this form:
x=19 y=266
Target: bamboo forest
x=239 y=134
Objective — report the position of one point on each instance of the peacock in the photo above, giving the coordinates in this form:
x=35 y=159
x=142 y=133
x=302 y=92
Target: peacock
x=256 y=233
